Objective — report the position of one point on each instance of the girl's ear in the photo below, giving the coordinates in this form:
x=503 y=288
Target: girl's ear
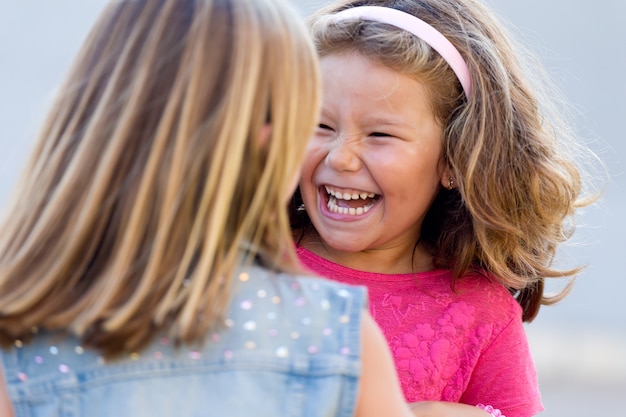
x=265 y=134
x=447 y=179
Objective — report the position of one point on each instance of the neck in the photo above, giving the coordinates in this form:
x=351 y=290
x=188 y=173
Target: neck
x=388 y=260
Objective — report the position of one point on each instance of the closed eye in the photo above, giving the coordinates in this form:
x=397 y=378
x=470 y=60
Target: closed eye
x=324 y=127
x=380 y=134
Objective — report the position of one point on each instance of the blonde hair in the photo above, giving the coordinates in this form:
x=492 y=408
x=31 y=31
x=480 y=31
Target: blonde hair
x=512 y=154
x=150 y=182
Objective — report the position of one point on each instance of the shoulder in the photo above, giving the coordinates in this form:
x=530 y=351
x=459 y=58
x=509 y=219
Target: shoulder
x=293 y=290
x=486 y=290
x=486 y=285
x=476 y=300
x=297 y=310
x=279 y=332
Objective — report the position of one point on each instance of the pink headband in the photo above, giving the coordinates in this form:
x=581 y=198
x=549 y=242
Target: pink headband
x=419 y=28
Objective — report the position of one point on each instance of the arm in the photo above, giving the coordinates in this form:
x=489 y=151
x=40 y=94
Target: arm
x=5 y=403
x=445 y=409
x=379 y=387
x=505 y=375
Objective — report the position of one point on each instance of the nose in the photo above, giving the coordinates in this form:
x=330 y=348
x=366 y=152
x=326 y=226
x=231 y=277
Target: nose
x=342 y=154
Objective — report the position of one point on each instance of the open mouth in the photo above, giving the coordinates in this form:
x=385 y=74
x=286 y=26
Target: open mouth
x=350 y=202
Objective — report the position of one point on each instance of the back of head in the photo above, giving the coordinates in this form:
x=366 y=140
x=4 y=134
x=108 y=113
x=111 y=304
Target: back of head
x=508 y=144
x=150 y=179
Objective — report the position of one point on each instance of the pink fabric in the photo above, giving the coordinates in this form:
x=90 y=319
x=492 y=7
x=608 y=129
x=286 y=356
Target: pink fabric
x=468 y=347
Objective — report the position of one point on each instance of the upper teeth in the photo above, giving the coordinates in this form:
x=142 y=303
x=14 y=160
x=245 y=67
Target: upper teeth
x=348 y=196
x=338 y=195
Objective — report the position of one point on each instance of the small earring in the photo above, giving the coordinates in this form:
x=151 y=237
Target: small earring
x=301 y=207
x=450 y=183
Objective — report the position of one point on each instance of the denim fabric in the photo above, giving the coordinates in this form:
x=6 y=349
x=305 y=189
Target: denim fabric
x=290 y=346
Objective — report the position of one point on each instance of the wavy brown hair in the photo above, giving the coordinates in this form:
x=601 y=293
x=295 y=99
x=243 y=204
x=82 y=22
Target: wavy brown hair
x=149 y=183
x=515 y=161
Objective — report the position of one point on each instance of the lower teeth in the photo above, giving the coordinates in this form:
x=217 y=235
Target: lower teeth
x=354 y=211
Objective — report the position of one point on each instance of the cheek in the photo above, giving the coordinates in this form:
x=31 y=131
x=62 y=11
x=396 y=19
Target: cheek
x=405 y=174
x=292 y=186
x=306 y=178
x=314 y=156
x=308 y=188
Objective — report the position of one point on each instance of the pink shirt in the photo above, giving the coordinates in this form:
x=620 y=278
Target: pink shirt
x=468 y=347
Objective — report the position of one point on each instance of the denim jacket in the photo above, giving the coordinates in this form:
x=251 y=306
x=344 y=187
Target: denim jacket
x=290 y=346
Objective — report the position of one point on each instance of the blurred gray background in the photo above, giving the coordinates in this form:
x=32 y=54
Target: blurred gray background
x=580 y=344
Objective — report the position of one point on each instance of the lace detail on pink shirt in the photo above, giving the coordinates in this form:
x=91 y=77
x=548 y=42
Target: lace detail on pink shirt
x=466 y=345
x=433 y=359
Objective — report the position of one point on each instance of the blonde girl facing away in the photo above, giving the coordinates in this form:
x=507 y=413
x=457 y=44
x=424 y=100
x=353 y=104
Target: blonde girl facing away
x=443 y=177
x=146 y=260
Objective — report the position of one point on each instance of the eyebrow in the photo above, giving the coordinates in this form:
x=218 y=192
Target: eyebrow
x=387 y=123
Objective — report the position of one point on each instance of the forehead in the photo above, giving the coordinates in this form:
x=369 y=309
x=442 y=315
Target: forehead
x=351 y=74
